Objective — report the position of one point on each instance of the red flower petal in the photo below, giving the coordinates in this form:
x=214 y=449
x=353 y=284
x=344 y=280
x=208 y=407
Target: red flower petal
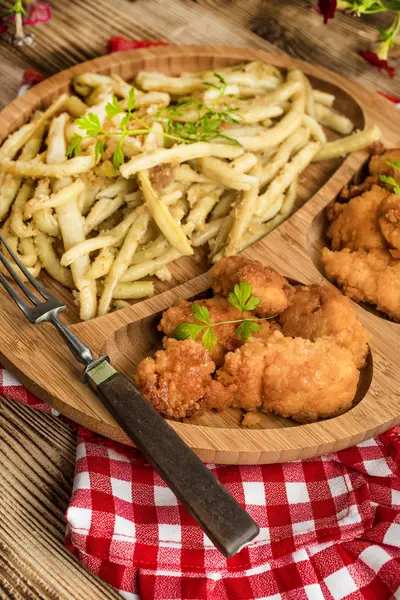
x=377 y=62
x=3 y=27
x=118 y=44
x=37 y=12
x=327 y=8
x=394 y=99
x=31 y=77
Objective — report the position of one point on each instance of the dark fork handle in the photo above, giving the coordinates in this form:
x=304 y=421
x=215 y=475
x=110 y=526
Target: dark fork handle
x=222 y=518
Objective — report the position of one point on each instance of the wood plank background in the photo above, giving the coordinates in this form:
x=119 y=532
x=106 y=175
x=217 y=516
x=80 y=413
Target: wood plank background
x=37 y=451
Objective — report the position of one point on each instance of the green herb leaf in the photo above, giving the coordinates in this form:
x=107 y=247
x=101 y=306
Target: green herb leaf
x=201 y=313
x=17 y=9
x=118 y=156
x=212 y=85
x=91 y=124
x=98 y=149
x=113 y=108
x=219 y=76
x=252 y=303
x=246 y=329
x=209 y=339
x=394 y=163
x=124 y=122
x=131 y=99
x=231 y=139
x=240 y=295
x=183 y=331
x=391 y=181
x=74 y=146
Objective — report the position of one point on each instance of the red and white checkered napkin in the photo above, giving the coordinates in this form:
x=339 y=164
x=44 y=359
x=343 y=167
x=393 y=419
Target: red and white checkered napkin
x=330 y=526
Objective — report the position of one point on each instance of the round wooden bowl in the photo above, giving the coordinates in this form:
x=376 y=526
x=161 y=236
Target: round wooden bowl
x=43 y=363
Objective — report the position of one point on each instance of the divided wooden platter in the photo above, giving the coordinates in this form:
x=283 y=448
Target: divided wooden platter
x=42 y=362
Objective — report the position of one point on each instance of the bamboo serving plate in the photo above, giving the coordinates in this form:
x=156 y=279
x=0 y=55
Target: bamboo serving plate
x=43 y=363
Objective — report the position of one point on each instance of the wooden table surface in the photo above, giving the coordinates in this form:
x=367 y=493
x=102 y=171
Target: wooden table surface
x=37 y=452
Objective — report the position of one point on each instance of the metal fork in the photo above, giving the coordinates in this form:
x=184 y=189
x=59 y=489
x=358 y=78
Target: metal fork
x=222 y=518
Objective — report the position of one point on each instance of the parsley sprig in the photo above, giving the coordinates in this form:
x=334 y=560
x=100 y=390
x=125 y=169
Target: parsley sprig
x=391 y=180
x=209 y=120
x=241 y=299
x=91 y=125
x=205 y=129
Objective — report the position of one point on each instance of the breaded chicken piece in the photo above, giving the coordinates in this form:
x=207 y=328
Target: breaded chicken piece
x=220 y=310
x=292 y=377
x=239 y=382
x=307 y=380
x=319 y=311
x=355 y=225
x=273 y=290
x=351 y=190
x=389 y=222
x=175 y=380
x=372 y=277
x=378 y=165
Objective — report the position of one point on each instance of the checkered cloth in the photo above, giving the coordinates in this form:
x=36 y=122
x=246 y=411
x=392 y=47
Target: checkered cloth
x=329 y=526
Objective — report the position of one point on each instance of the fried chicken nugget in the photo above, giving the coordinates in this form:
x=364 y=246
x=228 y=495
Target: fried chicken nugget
x=372 y=277
x=351 y=190
x=291 y=377
x=174 y=382
x=220 y=310
x=378 y=165
x=355 y=225
x=239 y=382
x=273 y=290
x=307 y=380
x=389 y=222
x=319 y=311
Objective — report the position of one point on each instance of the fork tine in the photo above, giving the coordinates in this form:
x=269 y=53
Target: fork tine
x=40 y=288
x=18 y=280
x=8 y=287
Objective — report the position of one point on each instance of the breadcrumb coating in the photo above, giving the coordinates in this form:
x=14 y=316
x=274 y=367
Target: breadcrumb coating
x=389 y=222
x=273 y=290
x=319 y=311
x=307 y=380
x=291 y=377
x=239 y=382
x=372 y=277
x=355 y=225
x=175 y=380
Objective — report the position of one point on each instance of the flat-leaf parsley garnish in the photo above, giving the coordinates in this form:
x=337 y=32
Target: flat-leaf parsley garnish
x=206 y=128
x=241 y=299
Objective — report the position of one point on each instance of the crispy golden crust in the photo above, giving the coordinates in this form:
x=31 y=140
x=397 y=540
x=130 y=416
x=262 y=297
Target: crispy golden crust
x=251 y=419
x=307 y=380
x=292 y=377
x=349 y=191
x=372 y=277
x=355 y=225
x=376 y=148
x=220 y=310
x=273 y=290
x=389 y=222
x=174 y=382
x=239 y=382
x=319 y=311
x=378 y=165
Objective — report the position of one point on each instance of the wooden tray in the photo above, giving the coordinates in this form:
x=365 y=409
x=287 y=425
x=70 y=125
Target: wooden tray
x=43 y=363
